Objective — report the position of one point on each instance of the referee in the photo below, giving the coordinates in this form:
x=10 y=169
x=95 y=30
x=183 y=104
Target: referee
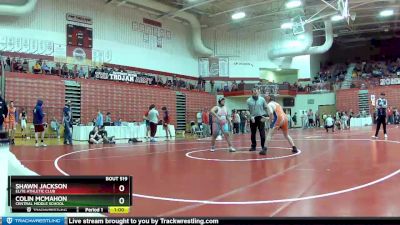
x=257 y=105
x=381 y=107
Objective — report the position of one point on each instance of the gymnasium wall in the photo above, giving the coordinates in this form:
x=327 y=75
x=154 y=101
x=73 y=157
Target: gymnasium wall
x=196 y=101
x=305 y=102
x=26 y=89
x=348 y=99
x=126 y=101
x=112 y=31
x=236 y=102
x=248 y=50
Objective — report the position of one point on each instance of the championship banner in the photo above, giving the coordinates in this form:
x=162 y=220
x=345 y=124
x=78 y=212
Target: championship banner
x=213 y=67
x=389 y=81
x=125 y=77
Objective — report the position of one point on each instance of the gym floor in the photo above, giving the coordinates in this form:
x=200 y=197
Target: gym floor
x=345 y=173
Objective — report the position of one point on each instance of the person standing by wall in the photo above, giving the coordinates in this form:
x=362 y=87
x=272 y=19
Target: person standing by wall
x=147 y=122
x=310 y=116
x=38 y=122
x=24 y=118
x=206 y=125
x=166 y=122
x=10 y=122
x=199 y=119
x=236 y=122
x=317 y=119
x=67 y=121
x=99 y=120
x=153 y=118
x=242 y=121
x=294 y=118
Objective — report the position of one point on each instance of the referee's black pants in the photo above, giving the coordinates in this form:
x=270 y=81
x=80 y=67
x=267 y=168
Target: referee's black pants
x=261 y=128
x=379 y=121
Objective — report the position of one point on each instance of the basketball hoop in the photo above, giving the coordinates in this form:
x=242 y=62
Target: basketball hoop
x=343 y=7
x=297 y=25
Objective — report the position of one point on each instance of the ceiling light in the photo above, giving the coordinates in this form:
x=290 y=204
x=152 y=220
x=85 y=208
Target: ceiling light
x=301 y=37
x=278 y=69
x=337 y=18
x=238 y=15
x=293 y=4
x=287 y=25
x=385 y=13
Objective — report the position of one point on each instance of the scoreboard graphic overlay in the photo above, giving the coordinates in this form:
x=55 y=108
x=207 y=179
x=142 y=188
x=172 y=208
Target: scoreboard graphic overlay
x=86 y=194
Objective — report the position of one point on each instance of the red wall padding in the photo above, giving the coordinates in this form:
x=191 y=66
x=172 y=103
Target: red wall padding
x=348 y=99
x=196 y=101
x=26 y=89
x=125 y=101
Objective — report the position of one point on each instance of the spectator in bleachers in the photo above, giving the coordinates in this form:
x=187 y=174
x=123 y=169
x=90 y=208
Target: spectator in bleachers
x=37 y=69
x=57 y=69
x=81 y=72
x=75 y=71
x=25 y=66
x=93 y=72
x=8 y=62
x=13 y=64
x=64 y=70
x=99 y=119
x=212 y=84
x=45 y=68
x=241 y=85
x=38 y=122
x=234 y=86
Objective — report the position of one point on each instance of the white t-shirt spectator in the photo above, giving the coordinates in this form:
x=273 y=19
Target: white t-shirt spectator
x=236 y=118
x=153 y=116
x=199 y=117
x=329 y=121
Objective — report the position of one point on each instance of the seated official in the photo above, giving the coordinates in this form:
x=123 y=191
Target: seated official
x=104 y=136
x=95 y=137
